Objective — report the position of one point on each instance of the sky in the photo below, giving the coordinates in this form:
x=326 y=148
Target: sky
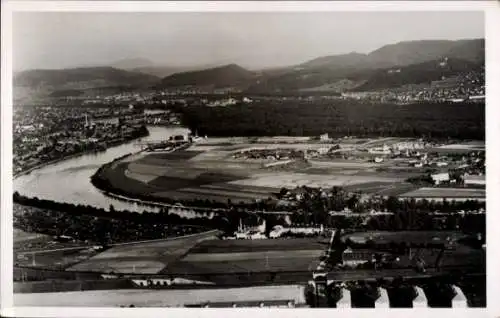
x=47 y=40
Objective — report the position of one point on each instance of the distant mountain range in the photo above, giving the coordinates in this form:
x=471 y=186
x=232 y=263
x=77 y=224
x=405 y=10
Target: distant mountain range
x=132 y=63
x=405 y=53
x=74 y=82
x=81 y=78
x=147 y=66
x=231 y=75
x=418 y=73
x=415 y=61
x=359 y=68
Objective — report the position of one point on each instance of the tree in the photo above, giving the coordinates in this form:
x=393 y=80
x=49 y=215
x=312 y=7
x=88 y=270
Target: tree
x=282 y=192
x=396 y=223
x=352 y=202
x=392 y=204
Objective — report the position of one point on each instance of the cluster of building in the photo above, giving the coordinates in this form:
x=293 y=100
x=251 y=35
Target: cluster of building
x=222 y=102
x=269 y=154
x=200 y=90
x=259 y=232
x=424 y=154
x=399 y=147
x=43 y=134
x=118 y=98
x=468 y=86
x=467 y=174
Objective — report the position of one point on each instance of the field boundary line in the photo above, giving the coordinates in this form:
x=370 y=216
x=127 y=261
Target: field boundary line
x=165 y=239
x=118 y=244
x=55 y=250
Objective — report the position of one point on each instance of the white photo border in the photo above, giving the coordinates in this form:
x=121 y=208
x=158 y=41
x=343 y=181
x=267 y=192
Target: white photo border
x=492 y=28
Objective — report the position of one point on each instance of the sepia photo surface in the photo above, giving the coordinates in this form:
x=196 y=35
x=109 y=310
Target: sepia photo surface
x=249 y=159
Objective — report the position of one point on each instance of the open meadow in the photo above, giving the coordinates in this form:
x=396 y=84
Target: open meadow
x=146 y=257
x=449 y=193
x=216 y=170
x=162 y=298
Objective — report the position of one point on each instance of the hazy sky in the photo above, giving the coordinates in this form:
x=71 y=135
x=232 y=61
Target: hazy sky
x=253 y=40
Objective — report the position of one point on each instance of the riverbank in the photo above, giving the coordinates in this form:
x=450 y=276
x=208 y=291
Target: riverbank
x=52 y=162
x=100 y=180
x=75 y=155
x=74 y=173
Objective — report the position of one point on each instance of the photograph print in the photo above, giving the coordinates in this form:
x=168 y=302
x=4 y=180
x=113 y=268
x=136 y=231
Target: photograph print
x=249 y=159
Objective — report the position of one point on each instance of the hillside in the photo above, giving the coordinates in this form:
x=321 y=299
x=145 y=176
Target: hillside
x=352 y=59
x=402 y=54
x=132 y=63
x=159 y=71
x=230 y=75
x=420 y=73
x=392 y=65
x=81 y=78
x=338 y=73
x=42 y=84
x=414 y=52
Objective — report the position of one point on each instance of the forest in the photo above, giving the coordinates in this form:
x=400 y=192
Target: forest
x=338 y=118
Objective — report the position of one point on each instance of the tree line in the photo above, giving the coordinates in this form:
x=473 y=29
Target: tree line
x=338 y=118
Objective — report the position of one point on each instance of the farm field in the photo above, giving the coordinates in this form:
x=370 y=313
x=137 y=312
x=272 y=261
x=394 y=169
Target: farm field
x=148 y=257
x=208 y=171
x=472 y=145
x=249 y=256
x=39 y=274
x=54 y=259
x=180 y=195
x=473 y=193
x=22 y=236
x=290 y=263
x=39 y=250
x=32 y=242
x=460 y=148
x=381 y=188
x=61 y=286
x=405 y=236
x=161 y=298
x=291 y=180
x=236 y=246
x=459 y=255
x=202 y=255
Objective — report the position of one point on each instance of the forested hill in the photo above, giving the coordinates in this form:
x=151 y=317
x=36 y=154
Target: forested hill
x=422 y=73
x=81 y=78
x=339 y=118
x=225 y=76
x=418 y=62
x=404 y=53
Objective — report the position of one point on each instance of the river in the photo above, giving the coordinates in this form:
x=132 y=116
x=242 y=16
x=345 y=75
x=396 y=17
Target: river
x=69 y=180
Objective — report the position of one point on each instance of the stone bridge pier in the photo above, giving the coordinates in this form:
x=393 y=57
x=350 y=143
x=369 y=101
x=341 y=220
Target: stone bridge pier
x=371 y=294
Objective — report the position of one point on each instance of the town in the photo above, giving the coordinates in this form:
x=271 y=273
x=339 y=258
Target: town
x=264 y=168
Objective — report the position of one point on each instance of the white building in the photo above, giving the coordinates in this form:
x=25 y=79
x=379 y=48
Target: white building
x=475 y=180
x=323 y=150
x=384 y=150
x=324 y=137
x=224 y=102
x=440 y=177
